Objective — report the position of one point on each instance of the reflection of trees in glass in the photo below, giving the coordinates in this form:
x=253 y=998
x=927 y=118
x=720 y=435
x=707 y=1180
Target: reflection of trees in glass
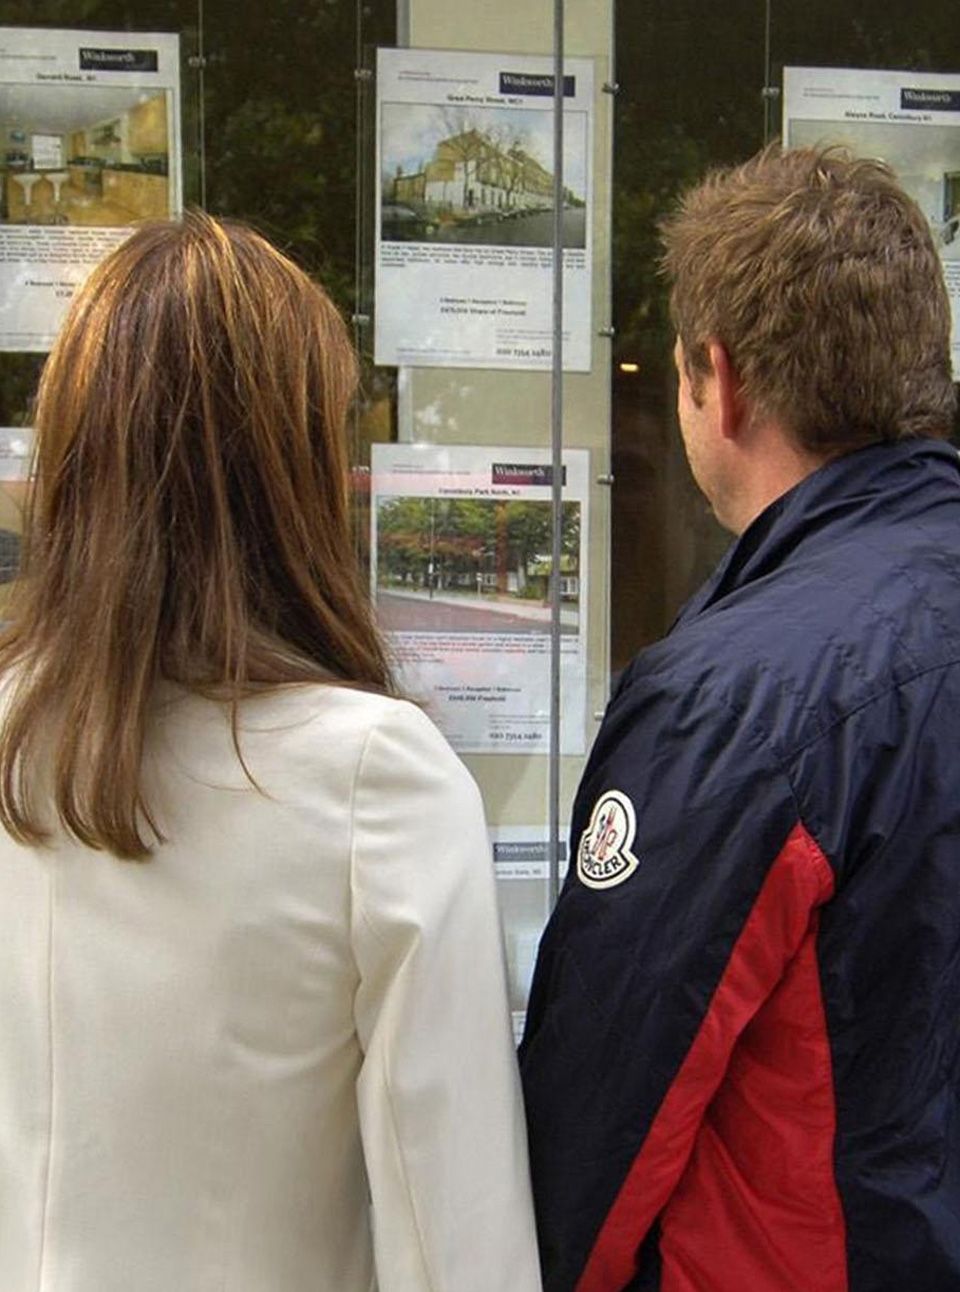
x=487 y=546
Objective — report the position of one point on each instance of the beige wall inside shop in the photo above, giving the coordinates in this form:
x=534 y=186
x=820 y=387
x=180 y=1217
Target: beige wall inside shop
x=514 y=408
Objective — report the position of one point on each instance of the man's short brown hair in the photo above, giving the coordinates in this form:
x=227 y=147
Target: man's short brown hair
x=820 y=277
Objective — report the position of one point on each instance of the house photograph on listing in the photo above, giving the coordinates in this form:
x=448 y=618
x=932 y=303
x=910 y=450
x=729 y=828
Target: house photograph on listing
x=479 y=175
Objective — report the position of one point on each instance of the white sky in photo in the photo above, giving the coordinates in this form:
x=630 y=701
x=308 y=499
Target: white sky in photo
x=410 y=132
x=920 y=155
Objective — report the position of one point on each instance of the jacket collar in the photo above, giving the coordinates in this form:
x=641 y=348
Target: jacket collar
x=897 y=477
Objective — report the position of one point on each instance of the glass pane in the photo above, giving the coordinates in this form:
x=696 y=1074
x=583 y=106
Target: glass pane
x=701 y=86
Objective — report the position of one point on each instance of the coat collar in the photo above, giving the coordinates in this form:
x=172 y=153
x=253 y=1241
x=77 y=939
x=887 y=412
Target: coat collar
x=898 y=477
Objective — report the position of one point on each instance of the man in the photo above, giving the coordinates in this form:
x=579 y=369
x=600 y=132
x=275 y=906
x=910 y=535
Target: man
x=742 y=1057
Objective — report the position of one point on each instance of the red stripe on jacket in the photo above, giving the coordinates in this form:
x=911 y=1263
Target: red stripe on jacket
x=745 y=1187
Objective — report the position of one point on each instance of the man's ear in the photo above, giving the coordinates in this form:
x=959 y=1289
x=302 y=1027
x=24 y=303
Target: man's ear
x=731 y=406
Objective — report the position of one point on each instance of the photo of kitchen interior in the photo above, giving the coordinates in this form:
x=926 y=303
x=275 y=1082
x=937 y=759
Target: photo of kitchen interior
x=92 y=155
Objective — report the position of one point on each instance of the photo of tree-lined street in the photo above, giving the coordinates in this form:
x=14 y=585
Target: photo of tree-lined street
x=473 y=565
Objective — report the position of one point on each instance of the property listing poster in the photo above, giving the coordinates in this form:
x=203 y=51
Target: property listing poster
x=521 y=858
x=464 y=228
x=89 y=145
x=909 y=119
x=16 y=460
x=460 y=566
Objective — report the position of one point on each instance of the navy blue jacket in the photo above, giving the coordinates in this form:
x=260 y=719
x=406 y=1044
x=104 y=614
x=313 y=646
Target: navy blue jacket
x=742 y=1055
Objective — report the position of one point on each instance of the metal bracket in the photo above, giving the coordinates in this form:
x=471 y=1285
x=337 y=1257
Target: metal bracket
x=197 y=61
x=605 y=480
x=360 y=319
x=363 y=74
x=610 y=87
x=770 y=92
x=606 y=331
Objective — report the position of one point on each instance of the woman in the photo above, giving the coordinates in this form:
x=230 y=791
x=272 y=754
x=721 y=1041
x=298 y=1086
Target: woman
x=275 y=1055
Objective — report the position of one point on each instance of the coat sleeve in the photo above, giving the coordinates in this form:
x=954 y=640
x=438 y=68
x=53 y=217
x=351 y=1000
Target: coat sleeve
x=439 y=1100
x=693 y=884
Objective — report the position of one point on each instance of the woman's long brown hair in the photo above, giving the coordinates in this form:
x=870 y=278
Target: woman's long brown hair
x=189 y=519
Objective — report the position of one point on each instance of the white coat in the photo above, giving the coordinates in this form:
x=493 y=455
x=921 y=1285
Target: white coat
x=276 y=1057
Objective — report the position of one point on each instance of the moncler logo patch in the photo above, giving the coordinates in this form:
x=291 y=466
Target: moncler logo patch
x=604 y=858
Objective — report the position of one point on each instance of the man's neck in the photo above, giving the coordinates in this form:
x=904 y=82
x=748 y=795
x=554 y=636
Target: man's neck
x=771 y=464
